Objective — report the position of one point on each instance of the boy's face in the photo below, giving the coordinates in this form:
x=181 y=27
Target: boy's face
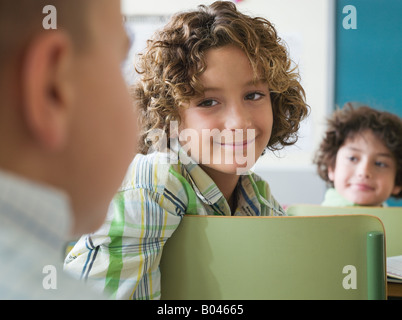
x=103 y=132
x=231 y=124
x=365 y=170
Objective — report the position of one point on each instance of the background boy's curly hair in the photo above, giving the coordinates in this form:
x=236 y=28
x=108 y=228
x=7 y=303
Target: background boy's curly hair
x=174 y=59
x=349 y=121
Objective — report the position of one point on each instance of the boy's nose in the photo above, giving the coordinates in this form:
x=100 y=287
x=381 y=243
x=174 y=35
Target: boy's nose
x=237 y=117
x=364 y=170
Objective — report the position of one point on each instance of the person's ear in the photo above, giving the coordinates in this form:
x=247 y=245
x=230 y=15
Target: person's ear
x=331 y=173
x=396 y=190
x=47 y=96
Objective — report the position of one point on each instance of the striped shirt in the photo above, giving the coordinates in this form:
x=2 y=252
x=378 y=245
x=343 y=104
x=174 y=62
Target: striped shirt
x=122 y=257
x=34 y=226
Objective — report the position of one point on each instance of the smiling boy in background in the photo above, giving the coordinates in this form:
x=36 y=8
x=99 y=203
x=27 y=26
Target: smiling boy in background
x=360 y=157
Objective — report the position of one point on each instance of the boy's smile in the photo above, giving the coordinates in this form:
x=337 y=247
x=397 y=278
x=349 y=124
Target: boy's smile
x=237 y=145
x=365 y=170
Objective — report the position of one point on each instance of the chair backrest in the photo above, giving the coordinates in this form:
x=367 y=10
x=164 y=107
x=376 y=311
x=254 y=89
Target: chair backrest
x=391 y=217
x=211 y=257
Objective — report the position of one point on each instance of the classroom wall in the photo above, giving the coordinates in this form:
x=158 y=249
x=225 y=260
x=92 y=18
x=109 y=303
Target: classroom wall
x=368 y=58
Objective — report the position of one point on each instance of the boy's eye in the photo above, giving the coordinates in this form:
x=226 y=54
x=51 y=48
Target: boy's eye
x=207 y=103
x=254 y=96
x=352 y=159
x=380 y=164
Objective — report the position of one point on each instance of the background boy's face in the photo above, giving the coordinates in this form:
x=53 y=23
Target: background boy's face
x=365 y=170
x=231 y=105
x=103 y=137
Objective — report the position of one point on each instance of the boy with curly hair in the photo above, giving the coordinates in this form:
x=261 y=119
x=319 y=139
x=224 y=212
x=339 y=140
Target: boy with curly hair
x=217 y=88
x=360 y=157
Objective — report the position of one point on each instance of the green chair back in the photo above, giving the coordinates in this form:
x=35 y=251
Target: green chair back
x=391 y=217
x=212 y=257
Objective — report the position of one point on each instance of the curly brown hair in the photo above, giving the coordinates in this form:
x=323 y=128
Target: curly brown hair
x=174 y=59
x=345 y=123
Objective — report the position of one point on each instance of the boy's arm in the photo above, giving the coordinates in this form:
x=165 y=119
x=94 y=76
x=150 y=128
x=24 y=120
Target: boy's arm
x=122 y=258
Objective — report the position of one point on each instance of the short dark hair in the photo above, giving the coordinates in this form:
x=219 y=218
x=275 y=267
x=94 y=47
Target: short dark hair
x=346 y=123
x=21 y=20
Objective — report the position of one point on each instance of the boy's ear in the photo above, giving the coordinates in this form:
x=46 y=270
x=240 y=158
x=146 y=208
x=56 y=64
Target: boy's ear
x=396 y=190
x=47 y=97
x=331 y=174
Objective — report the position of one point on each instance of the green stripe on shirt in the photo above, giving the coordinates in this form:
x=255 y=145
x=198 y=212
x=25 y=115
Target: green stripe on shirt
x=116 y=235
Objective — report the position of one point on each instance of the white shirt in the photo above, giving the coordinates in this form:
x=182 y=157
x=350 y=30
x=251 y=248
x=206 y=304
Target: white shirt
x=34 y=226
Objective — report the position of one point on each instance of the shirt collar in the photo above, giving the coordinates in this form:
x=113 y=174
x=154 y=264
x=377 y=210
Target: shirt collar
x=249 y=198
x=203 y=185
x=334 y=199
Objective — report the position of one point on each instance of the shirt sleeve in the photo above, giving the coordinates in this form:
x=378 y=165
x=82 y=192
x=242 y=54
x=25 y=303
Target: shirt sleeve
x=122 y=258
